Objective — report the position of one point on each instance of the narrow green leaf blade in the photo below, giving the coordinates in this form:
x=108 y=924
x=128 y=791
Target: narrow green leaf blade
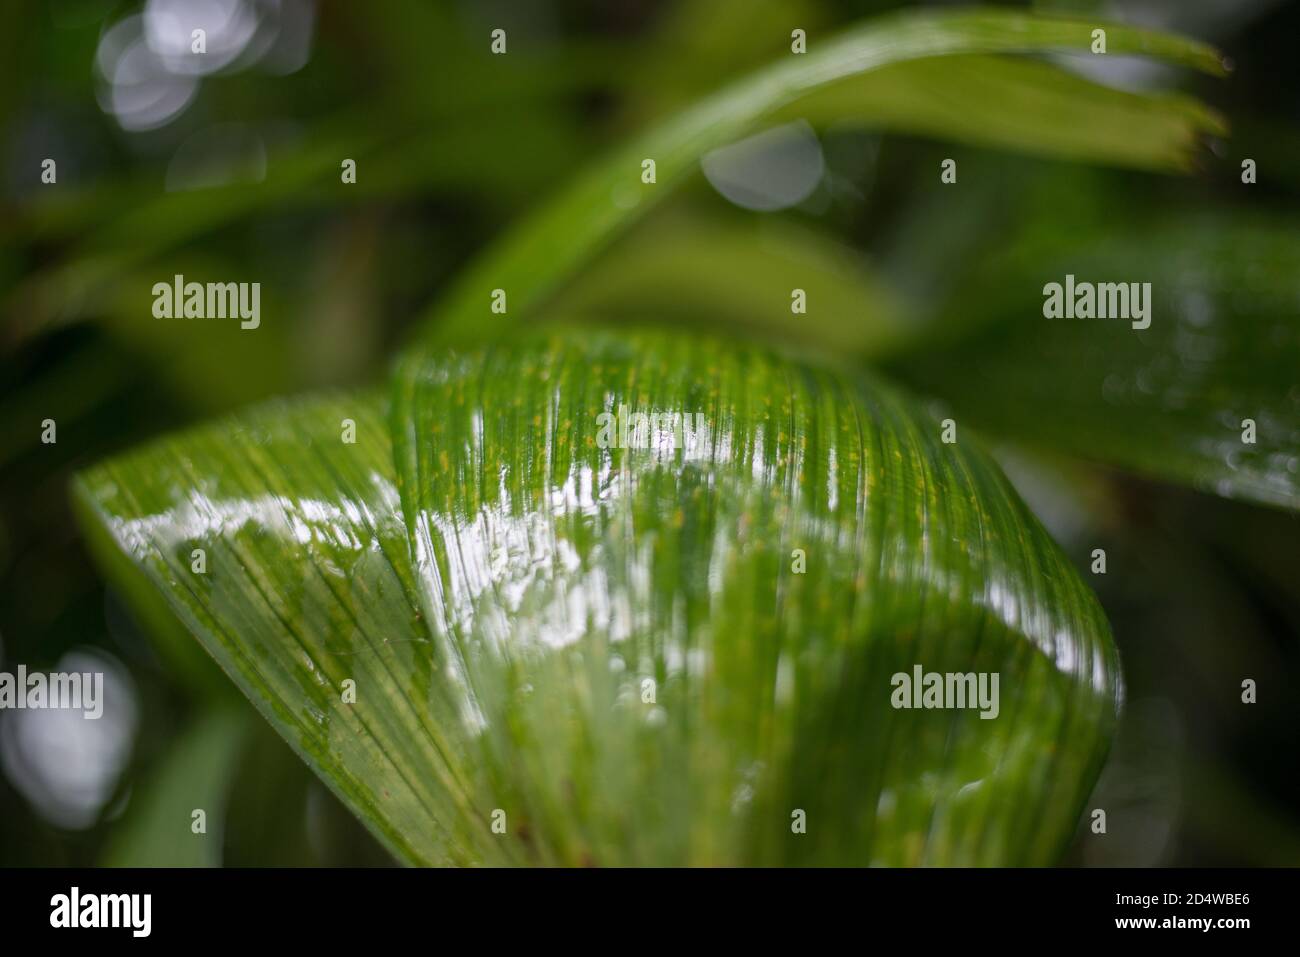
x=1021 y=104
x=735 y=275
x=549 y=246
x=194 y=775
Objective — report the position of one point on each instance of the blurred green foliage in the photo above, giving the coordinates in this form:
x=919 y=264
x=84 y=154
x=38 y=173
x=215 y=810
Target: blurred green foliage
x=453 y=147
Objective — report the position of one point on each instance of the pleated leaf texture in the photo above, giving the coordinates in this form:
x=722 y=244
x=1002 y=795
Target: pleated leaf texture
x=631 y=599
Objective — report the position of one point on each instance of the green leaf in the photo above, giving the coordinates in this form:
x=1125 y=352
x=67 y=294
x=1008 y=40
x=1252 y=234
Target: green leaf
x=194 y=775
x=306 y=585
x=1169 y=401
x=616 y=647
x=546 y=249
x=1025 y=105
x=736 y=275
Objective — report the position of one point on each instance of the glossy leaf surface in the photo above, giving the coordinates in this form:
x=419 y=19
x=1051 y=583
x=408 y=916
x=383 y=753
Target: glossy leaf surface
x=620 y=648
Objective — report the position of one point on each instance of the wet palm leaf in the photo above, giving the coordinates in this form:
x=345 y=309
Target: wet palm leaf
x=614 y=653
